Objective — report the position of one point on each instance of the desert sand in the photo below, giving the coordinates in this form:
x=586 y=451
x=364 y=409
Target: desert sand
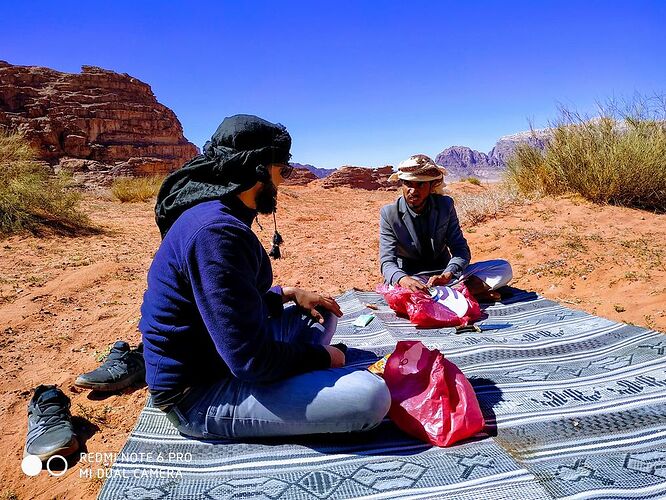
x=64 y=300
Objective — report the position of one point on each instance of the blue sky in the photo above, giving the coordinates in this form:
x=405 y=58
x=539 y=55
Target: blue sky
x=357 y=82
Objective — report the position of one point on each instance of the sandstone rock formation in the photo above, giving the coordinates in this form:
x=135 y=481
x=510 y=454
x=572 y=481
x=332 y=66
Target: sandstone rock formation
x=360 y=177
x=92 y=173
x=461 y=161
x=112 y=121
x=300 y=176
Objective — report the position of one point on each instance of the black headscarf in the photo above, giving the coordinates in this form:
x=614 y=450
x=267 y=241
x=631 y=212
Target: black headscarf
x=236 y=157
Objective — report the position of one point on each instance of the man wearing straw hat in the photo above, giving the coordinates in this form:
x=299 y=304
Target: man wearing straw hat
x=420 y=240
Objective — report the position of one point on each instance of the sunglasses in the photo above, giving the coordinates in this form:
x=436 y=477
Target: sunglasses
x=286 y=171
x=414 y=184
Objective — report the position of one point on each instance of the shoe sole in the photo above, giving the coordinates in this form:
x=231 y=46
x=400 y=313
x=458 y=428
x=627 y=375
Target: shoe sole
x=68 y=449
x=110 y=386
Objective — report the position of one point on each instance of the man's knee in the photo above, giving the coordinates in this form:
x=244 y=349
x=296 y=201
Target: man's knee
x=494 y=273
x=506 y=273
x=371 y=399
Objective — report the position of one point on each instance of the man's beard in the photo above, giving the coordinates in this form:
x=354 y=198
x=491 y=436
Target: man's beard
x=266 y=198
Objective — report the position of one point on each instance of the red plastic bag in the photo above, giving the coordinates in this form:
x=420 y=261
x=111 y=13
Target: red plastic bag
x=396 y=297
x=431 y=399
x=425 y=312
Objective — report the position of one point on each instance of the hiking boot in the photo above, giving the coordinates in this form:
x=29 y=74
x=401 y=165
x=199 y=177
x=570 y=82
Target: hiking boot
x=50 y=430
x=122 y=368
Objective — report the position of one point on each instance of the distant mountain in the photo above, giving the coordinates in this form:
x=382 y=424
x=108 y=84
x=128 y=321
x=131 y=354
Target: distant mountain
x=506 y=145
x=319 y=172
x=461 y=161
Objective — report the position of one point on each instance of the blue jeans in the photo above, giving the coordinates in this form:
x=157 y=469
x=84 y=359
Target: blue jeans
x=322 y=401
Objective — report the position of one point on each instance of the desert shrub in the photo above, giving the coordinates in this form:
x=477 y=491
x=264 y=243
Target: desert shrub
x=133 y=189
x=31 y=197
x=472 y=180
x=9 y=495
x=475 y=208
x=617 y=158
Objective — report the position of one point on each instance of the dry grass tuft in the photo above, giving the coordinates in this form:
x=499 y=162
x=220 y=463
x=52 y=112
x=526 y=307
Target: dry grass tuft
x=618 y=158
x=31 y=197
x=472 y=180
x=98 y=416
x=136 y=189
x=9 y=495
x=473 y=209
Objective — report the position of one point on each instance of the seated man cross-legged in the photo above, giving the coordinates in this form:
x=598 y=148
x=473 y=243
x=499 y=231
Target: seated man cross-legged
x=224 y=359
x=420 y=240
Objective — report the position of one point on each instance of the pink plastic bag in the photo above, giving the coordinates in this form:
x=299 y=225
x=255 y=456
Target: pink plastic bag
x=431 y=399
x=423 y=311
x=396 y=297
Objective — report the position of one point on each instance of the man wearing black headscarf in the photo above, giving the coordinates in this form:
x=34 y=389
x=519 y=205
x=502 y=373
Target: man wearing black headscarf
x=223 y=358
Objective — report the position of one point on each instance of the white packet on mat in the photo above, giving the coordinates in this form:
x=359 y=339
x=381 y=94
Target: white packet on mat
x=451 y=299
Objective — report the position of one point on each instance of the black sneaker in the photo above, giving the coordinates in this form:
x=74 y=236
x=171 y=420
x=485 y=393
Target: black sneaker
x=50 y=430
x=122 y=368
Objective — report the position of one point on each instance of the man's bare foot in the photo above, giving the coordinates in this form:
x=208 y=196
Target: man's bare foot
x=480 y=290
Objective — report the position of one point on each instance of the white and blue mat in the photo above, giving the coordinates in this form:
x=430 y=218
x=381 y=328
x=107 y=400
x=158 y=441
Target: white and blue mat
x=575 y=406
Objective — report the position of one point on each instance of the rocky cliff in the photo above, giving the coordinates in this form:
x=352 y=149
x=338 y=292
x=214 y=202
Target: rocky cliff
x=360 y=177
x=300 y=176
x=112 y=121
x=506 y=145
x=461 y=161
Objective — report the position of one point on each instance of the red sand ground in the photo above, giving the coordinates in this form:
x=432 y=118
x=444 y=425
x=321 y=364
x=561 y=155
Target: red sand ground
x=64 y=300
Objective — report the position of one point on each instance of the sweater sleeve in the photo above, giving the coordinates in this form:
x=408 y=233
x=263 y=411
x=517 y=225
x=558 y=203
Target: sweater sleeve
x=388 y=251
x=273 y=298
x=460 y=253
x=221 y=262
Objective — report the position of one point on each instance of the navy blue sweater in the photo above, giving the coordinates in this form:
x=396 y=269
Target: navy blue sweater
x=205 y=313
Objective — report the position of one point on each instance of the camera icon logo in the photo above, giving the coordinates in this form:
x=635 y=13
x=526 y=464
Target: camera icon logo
x=32 y=465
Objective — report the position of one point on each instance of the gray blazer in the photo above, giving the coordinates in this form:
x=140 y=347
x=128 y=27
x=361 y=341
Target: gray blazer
x=399 y=246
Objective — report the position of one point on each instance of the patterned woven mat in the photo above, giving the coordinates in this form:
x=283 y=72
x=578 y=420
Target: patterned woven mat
x=575 y=406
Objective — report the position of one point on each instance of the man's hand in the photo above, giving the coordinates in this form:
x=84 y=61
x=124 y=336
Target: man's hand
x=310 y=300
x=337 y=356
x=412 y=284
x=440 y=279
